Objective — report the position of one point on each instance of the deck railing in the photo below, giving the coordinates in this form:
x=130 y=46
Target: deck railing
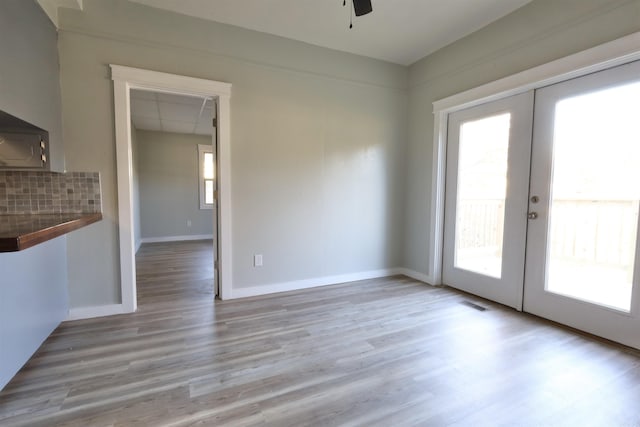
x=602 y=232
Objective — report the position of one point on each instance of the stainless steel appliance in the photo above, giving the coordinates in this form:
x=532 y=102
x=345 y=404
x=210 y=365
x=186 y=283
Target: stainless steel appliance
x=23 y=146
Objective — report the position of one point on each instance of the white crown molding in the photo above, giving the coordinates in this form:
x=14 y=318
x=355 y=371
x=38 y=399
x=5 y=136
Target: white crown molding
x=51 y=7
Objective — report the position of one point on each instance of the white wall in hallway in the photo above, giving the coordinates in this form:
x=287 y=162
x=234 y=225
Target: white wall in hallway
x=169 y=192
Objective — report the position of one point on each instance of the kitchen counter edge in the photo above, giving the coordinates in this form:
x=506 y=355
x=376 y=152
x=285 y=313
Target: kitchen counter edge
x=35 y=229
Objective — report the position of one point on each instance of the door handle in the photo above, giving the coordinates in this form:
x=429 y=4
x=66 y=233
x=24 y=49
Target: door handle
x=533 y=215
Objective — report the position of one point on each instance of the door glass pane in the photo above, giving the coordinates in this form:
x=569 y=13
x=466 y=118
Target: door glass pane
x=595 y=191
x=482 y=188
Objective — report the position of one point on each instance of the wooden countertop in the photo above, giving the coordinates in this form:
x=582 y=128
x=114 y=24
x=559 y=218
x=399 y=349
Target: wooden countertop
x=18 y=232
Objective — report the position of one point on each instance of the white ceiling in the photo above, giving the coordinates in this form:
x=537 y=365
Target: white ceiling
x=165 y=112
x=399 y=31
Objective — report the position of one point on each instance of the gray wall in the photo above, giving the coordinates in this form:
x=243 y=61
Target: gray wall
x=169 y=192
x=318 y=143
x=29 y=75
x=135 y=178
x=33 y=283
x=33 y=301
x=331 y=152
x=540 y=32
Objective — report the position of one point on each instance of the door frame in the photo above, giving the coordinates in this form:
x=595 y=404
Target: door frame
x=127 y=78
x=607 y=55
x=507 y=287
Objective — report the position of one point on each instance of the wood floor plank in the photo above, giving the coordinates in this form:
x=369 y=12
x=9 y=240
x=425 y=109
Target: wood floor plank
x=380 y=352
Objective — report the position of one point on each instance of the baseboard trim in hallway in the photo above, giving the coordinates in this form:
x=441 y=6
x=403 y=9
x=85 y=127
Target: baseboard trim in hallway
x=185 y=238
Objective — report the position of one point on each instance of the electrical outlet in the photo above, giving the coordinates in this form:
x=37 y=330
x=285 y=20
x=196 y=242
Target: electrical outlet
x=188 y=223
x=257 y=260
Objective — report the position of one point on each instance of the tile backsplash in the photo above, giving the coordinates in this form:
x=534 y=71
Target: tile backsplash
x=49 y=192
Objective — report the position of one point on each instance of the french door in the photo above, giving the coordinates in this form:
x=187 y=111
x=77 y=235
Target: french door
x=582 y=250
x=487 y=183
x=579 y=214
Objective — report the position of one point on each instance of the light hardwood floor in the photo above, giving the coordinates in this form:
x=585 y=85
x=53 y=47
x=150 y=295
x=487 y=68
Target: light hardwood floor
x=386 y=352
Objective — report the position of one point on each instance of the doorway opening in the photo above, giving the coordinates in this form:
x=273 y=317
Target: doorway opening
x=126 y=80
x=173 y=146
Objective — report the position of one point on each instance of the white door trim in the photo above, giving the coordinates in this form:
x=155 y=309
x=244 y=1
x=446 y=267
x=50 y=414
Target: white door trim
x=124 y=79
x=617 y=52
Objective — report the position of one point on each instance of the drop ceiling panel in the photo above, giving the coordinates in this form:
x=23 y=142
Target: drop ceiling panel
x=180 y=99
x=203 y=128
x=165 y=112
x=180 y=112
x=176 y=126
x=143 y=94
x=208 y=111
x=145 y=108
x=145 y=123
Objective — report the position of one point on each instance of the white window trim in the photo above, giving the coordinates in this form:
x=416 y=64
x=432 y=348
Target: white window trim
x=202 y=149
x=611 y=54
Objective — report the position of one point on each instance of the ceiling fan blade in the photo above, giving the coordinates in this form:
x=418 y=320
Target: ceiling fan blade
x=362 y=7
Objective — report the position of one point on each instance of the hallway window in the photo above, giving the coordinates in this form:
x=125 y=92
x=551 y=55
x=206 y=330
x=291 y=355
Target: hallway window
x=206 y=166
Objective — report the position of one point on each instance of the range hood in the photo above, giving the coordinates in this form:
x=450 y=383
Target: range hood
x=23 y=146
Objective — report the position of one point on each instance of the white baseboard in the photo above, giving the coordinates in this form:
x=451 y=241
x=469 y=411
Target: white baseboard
x=109 y=310
x=176 y=238
x=311 y=283
x=416 y=275
x=97 y=311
